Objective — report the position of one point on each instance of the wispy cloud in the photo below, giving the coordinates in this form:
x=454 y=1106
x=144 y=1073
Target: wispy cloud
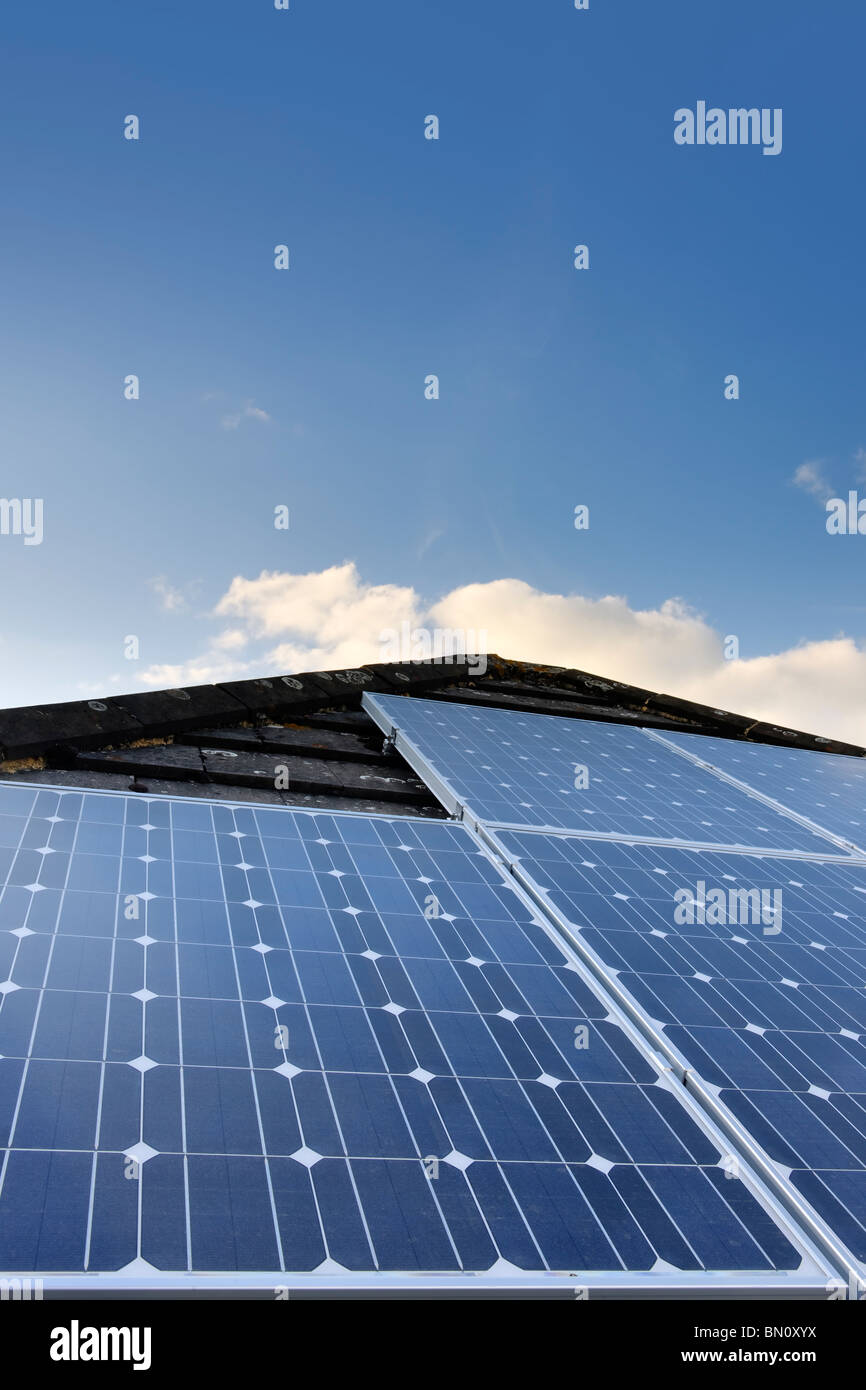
x=250 y=411
x=231 y=640
x=431 y=538
x=172 y=599
x=810 y=477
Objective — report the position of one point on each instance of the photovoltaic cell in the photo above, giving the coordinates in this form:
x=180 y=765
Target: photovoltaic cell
x=541 y=770
x=763 y=996
x=237 y=1038
x=827 y=787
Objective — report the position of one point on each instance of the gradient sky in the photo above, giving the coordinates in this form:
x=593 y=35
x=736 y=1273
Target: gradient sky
x=411 y=257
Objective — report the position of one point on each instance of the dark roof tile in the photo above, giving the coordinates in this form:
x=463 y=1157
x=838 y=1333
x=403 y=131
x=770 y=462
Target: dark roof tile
x=348 y=685
x=276 y=695
x=167 y=711
x=33 y=729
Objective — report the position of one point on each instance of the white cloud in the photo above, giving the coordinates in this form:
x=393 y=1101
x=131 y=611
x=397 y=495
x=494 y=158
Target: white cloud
x=331 y=618
x=172 y=598
x=433 y=535
x=204 y=670
x=810 y=477
x=330 y=611
x=231 y=640
x=250 y=411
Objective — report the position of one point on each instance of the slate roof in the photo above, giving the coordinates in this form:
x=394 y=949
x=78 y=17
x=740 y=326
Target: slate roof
x=231 y=740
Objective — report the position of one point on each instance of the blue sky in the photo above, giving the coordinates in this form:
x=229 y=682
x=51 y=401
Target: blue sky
x=411 y=257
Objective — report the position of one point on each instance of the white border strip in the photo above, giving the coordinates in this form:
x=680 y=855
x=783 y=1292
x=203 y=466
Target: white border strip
x=591 y=1285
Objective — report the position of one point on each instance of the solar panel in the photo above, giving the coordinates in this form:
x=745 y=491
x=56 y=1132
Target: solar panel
x=826 y=787
x=237 y=1038
x=753 y=967
x=539 y=770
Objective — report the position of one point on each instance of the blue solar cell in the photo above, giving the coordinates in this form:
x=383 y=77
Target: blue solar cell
x=322 y=1040
x=769 y=1008
x=573 y=774
x=827 y=788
